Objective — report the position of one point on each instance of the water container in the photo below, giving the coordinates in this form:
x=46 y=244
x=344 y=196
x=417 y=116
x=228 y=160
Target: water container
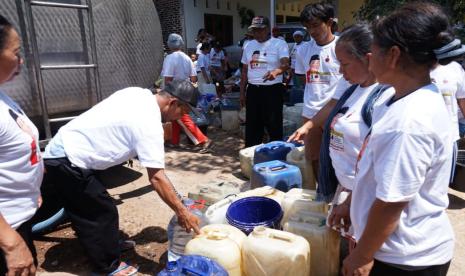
x=301 y=199
x=216 y=213
x=265 y=191
x=177 y=235
x=220 y=243
x=289 y=127
x=324 y=242
x=294 y=114
x=276 y=174
x=276 y=150
x=193 y=265
x=213 y=192
x=296 y=157
x=272 y=252
x=229 y=119
x=200 y=119
x=247 y=213
x=246 y=160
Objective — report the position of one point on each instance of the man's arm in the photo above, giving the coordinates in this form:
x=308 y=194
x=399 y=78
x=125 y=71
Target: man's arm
x=283 y=66
x=162 y=185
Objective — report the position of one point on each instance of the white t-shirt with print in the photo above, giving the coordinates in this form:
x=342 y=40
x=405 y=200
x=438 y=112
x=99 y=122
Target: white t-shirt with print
x=179 y=66
x=21 y=167
x=294 y=50
x=346 y=136
x=262 y=58
x=450 y=80
x=125 y=125
x=321 y=69
x=203 y=61
x=408 y=158
x=216 y=58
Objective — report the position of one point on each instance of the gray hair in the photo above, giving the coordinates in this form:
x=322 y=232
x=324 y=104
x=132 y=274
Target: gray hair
x=175 y=42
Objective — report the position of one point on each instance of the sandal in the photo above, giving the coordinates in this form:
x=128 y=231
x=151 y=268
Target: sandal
x=125 y=269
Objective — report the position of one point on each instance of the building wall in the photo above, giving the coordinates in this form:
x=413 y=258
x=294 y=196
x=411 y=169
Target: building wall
x=171 y=16
x=195 y=9
x=343 y=8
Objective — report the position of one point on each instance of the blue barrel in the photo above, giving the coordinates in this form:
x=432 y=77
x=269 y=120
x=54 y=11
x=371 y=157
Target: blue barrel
x=276 y=174
x=249 y=212
x=276 y=150
x=193 y=265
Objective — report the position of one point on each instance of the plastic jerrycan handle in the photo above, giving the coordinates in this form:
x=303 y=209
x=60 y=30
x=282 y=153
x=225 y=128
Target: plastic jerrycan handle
x=190 y=271
x=273 y=169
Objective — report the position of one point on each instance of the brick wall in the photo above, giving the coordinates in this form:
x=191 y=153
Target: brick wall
x=171 y=17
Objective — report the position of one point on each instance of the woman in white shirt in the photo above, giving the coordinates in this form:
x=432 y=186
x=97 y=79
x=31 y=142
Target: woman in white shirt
x=21 y=167
x=399 y=198
x=203 y=64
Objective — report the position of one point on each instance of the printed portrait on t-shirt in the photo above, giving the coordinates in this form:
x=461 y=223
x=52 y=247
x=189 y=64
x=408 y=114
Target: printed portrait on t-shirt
x=35 y=156
x=316 y=73
x=336 y=138
x=313 y=73
x=255 y=62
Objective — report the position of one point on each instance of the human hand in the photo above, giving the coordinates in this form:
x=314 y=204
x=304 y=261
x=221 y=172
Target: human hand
x=298 y=135
x=189 y=221
x=340 y=216
x=270 y=75
x=18 y=258
x=356 y=265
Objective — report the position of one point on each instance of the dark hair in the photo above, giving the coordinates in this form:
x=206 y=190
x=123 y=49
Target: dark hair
x=5 y=27
x=205 y=45
x=356 y=39
x=417 y=28
x=216 y=44
x=323 y=11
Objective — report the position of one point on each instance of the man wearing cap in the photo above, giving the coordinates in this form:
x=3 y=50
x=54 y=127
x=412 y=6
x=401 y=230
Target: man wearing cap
x=299 y=43
x=125 y=125
x=264 y=61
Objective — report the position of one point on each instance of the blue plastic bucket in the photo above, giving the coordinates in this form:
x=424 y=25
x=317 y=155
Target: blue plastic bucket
x=193 y=265
x=247 y=213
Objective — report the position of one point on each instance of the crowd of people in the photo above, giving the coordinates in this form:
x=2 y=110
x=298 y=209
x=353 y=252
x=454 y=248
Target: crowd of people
x=381 y=107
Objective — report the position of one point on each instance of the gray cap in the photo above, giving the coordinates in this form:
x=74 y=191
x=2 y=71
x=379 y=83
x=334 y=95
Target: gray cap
x=184 y=91
x=175 y=41
x=259 y=22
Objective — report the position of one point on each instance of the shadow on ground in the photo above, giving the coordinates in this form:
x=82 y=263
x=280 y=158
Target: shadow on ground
x=223 y=156
x=67 y=255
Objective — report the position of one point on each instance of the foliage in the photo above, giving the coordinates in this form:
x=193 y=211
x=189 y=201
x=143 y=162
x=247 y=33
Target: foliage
x=246 y=16
x=371 y=9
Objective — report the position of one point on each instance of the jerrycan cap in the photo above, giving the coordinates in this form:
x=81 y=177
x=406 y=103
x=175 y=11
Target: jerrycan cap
x=259 y=230
x=172 y=266
x=217 y=235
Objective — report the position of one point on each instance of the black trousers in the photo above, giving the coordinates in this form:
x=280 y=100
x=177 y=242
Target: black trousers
x=384 y=269
x=24 y=230
x=93 y=214
x=264 y=109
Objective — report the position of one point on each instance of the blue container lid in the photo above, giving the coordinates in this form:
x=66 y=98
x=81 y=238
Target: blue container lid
x=246 y=213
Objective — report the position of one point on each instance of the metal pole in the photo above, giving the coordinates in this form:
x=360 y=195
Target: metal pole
x=272 y=13
x=36 y=59
x=93 y=50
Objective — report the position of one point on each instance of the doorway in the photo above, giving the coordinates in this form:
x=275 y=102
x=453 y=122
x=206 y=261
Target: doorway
x=220 y=26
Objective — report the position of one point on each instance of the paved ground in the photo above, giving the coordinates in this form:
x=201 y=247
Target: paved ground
x=143 y=217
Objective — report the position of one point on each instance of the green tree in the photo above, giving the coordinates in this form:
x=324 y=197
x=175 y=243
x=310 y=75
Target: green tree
x=374 y=8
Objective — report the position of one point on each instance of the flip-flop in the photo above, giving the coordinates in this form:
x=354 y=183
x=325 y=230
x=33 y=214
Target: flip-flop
x=125 y=266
